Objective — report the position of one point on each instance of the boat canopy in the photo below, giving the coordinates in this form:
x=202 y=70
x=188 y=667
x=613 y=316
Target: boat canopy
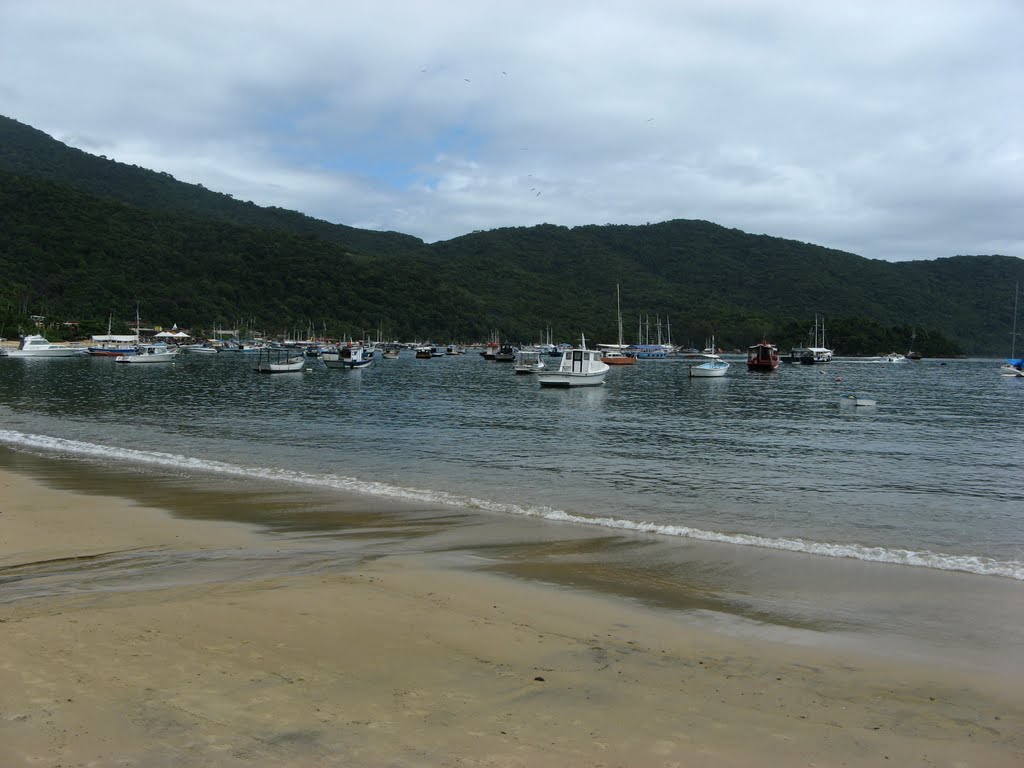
x=118 y=339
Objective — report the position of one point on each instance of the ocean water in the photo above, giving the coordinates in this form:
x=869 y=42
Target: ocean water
x=930 y=477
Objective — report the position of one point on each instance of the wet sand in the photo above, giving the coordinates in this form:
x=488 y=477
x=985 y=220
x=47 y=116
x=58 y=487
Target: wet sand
x=133 y=636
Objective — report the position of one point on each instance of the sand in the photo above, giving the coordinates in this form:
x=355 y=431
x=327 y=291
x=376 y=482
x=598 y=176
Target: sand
x=418 y=660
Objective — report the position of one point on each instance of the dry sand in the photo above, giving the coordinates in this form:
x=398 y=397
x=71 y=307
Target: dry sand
x=417 y=660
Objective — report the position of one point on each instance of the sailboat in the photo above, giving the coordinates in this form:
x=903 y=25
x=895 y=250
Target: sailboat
x=817 y=352
x=913 y=354
x=1014 y=366
x=614 y=354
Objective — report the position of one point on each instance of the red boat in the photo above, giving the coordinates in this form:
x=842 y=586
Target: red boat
x=762 y=357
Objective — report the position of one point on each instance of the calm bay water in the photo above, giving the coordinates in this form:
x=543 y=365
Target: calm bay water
x=930 y=476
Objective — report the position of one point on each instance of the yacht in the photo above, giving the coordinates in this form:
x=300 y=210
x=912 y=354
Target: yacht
x=37 y=346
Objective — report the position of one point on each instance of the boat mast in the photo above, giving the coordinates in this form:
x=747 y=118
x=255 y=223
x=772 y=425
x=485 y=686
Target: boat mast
x=1013 y=335
x=618 y=311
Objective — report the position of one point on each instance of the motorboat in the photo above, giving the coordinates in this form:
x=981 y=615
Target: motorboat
x=350 y=356
x=37 y=346
x=762 y=357
x=893 y=357
x=579 y=367
x=150 y=353
x=528 y=361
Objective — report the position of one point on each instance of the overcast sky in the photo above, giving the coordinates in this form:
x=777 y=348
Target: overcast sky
x=893 y=129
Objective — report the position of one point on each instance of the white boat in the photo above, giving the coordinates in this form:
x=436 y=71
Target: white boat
x=529 y=361
x=855 y=400
x=37 y=346
x=816 y=352
x=351 y=356
x=580 y=367
x=892 y=357
x=1014 y=366
x=713 y=365
x=149 y=353
x=279 y=361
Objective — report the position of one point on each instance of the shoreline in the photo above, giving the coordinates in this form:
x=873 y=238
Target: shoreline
x=355 y=648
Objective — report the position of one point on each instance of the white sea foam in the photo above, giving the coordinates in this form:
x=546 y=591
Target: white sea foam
x=976 y=564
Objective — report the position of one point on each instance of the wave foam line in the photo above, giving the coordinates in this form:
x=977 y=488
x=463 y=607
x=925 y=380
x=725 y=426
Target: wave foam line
x=984 y=566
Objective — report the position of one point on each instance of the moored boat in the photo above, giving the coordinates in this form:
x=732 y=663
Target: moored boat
x=279 y=361
x=348 y=356
x=579 y=367
x=528 y=361
x=762 y=357
x=713 y=366
x=149 y=353
x=37 y=346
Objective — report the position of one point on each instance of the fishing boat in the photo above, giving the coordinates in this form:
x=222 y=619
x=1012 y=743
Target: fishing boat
x=149 y=354
x=391 y=351
x=528 y=361
x=713 y=366
x=271 y=360
x=424 y=353
x=37 y=346
x=762 y=357
x=349 y=356
x=580 y=367
x=506 y=353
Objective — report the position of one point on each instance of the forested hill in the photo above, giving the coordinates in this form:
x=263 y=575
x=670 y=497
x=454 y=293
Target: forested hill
x=30 y=152
x=82 y=237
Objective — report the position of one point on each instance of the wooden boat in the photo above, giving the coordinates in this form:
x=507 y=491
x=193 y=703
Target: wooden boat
x=614 y=354
x=349 y=356
x=580 y=367
x=528 y=361
x=149 y=354
x=506 y=353
x=272 y=360
x=762 y=357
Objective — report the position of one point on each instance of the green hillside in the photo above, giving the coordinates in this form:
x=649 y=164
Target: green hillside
x=82 y=237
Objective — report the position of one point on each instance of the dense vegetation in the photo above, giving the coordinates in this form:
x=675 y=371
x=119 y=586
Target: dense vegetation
x=83 y=237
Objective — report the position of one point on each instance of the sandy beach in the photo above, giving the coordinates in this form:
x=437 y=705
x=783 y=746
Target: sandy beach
x=414 y=659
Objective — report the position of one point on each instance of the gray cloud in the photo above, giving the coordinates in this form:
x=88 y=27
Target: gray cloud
x=888 y=129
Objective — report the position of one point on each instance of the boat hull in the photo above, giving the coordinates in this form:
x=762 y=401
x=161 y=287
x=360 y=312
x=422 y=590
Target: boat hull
x=708 y=370
x=564 y=380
